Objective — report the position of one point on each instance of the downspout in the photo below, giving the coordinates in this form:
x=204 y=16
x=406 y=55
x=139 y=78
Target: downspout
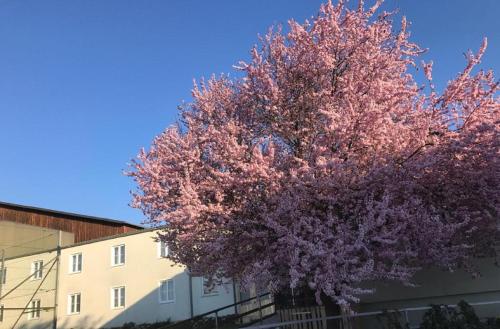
x=191 y=311
x=234 y=297
x=2 y=267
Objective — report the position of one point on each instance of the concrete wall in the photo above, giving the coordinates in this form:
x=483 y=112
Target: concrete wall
x=18 y=269
x=20 y=239
x=440 y=287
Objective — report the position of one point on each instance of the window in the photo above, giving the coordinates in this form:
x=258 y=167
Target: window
x=74 y=303
x=166 y=291
x=34 y=312
x=75 y=263
x=118 y=255
x=209 y=288
x=118 y=297
x=1 y=313
x=3 y=275
x=37 y=269
x=162 y=249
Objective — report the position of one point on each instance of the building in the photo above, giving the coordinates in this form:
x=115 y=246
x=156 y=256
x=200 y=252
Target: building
x=19 y=239
x=435 y=286
x=83 y=227
x=50 y=280
x=104 y=283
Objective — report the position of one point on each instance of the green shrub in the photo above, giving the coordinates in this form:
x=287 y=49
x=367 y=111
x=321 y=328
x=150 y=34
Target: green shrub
x=462 y=317
x=392 y=320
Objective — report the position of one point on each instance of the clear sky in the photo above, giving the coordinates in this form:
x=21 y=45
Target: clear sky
x=84 y=84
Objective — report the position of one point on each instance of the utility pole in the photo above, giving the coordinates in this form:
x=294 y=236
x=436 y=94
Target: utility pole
x=56 y=291
x=2 y=269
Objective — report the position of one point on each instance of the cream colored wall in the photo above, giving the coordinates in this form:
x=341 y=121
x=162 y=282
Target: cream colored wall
x=141 y=274
x=19 y=269
x=20 y=239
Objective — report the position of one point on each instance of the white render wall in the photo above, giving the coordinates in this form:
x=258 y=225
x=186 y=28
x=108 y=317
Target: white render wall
x=140 y=275
x=19 y=269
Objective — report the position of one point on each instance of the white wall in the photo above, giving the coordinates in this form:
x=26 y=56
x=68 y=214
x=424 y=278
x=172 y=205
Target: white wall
x=223 y=295
x=18 y=269
x=141 y=275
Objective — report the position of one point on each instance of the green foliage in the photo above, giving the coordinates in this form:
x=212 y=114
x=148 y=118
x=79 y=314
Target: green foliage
x=462 y=317
x=392 y=320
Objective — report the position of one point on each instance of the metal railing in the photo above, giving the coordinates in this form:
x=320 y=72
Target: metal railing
x=357 y=320
x=224 y=317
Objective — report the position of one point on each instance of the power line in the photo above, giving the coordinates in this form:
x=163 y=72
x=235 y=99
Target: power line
x=53 y=261
x=25 y=242
x=20 y=296
x=20 y=259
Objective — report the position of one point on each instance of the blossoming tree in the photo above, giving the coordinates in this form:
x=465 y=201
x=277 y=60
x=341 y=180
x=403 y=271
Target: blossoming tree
x=326 y=164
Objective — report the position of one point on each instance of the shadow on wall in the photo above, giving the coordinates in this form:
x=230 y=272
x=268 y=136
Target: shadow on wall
x=149 y=308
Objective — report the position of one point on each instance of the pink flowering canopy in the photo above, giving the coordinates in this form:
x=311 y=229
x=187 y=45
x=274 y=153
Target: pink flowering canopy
x=326 y=165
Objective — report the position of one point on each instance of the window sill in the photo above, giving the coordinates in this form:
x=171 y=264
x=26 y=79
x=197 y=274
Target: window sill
x=166 y=301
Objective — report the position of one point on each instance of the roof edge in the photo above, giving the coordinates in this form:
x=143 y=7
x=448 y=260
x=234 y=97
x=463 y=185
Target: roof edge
x=70 y=214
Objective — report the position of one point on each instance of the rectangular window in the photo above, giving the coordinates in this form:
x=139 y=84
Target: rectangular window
x=74 y=301
x=37 y=269
x=166 y=291
x=3 y=275
x=118 y=297
x=209 y=289
x=75 y=263
x=34 y=312
x=1 y=313
x=118 y=255
x=162 y=249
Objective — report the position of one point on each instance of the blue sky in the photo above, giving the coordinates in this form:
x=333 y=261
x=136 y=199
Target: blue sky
x=84 y=84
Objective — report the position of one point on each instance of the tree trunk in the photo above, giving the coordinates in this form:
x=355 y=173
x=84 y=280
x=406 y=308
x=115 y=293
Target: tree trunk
x=331 y=309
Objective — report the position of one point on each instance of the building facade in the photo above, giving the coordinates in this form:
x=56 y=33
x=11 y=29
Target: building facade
x=105 y=283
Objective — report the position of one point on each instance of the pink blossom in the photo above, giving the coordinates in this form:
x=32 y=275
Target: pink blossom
x=326 y=165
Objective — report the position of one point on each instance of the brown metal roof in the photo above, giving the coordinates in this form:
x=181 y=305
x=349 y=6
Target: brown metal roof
x=68 y=214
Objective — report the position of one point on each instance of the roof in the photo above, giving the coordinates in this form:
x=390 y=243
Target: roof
x=68 y=214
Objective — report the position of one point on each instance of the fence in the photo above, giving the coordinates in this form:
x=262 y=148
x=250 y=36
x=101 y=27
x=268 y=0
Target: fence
x=406 y=316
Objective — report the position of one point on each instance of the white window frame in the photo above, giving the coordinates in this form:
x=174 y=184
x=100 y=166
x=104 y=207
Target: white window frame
x=78 y=303
x=37 y=270
x=160 y=284
x=79 y=258
x=162 y=246
x=121 y=258
x=213 y=292
x=3 y=275
x=120 y=298
x=35 y=309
